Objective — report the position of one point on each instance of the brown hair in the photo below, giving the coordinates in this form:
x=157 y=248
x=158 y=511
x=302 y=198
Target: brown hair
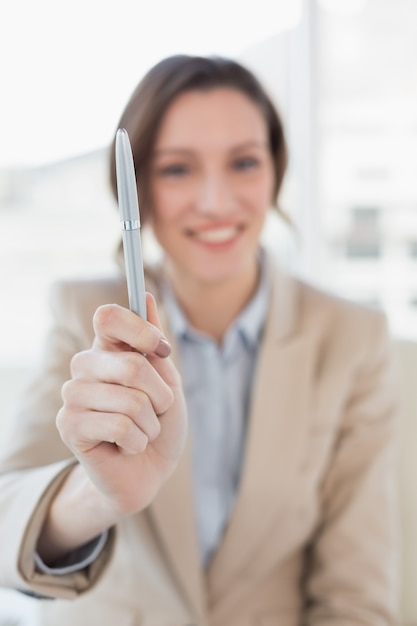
x=162 y=84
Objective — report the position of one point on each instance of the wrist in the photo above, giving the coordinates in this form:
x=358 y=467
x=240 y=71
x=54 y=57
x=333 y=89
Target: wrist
x=77 y=514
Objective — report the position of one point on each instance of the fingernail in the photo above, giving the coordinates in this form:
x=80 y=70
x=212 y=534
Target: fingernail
x=163 y=349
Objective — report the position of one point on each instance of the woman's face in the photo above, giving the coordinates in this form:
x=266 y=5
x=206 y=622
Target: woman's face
x=212 y=181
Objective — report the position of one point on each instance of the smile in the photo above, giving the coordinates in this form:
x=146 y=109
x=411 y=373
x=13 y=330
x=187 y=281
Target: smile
x=217 y=235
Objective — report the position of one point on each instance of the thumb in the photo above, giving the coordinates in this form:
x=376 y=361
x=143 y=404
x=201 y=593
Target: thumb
x=152 y=312
x=164 y=366
x=153 y=319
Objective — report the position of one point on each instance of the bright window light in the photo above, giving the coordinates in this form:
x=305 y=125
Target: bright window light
x=343 y=6
x=72 y=66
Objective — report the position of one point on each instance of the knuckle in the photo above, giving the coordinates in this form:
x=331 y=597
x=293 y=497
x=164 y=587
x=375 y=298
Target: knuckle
x=132 y=365
x=63 y=424
x=77 y=362
x=166 y=400
x=104 y=316
x=141 y=441
x=121 y=429
x=137 y=402
x=72 y=393
x=128 y=436
x=66 y=390
x=141 y=410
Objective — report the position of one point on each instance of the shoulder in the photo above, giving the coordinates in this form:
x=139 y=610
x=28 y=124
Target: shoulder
x=341 y=326
x=329 y=307
x=74 y=301
x=93 y=291
x=67 y=294
x=332 y=324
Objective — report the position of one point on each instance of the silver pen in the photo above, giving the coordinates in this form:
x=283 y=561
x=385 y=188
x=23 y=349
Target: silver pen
x=130 y=223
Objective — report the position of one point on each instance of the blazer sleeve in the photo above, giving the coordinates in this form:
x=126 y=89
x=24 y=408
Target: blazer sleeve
x=34 y=462
x=353 y=575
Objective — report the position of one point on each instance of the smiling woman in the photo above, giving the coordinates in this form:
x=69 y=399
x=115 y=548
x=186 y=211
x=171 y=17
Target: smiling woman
x=212 y=183
x=151 y=459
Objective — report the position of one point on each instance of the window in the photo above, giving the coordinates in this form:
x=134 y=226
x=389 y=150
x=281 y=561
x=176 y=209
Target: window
x=412 y=249
x=363 y=239
x=366 y=128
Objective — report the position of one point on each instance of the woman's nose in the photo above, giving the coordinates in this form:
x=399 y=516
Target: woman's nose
x=215 y=196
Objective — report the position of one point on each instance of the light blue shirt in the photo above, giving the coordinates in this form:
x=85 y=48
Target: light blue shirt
x=217 y=382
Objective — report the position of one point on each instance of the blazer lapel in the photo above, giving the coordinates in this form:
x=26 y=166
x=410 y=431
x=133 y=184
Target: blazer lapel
x=173 y=515
x=276 y=436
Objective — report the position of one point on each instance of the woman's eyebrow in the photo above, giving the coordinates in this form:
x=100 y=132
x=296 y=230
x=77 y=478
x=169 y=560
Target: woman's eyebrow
x=172 y=151
x=252 y=143
x=184 y=151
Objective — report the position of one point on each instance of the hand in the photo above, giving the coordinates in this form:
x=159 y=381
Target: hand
x=123 y=413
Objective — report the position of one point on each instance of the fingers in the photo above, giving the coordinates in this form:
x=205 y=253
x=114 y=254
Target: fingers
x=117 y=328
x=116 y=393
x=86 y=431
x=95 y=412
x=101 y=397
x=125 y=373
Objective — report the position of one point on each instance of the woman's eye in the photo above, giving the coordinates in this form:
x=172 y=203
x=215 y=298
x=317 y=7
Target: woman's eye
x=176 y=169
x=245 y=163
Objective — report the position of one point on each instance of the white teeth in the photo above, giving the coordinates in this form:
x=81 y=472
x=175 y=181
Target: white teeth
x=217 y=235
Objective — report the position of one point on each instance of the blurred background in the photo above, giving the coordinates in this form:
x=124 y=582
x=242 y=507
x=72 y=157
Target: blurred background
x=342 y=73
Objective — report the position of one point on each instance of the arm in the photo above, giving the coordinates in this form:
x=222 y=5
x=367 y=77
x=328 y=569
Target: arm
x=123 y=418
x=353 y=577
x=55 y=516
x=34 y=460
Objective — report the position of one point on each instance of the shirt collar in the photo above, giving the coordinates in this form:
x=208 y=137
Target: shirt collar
x=249 y=323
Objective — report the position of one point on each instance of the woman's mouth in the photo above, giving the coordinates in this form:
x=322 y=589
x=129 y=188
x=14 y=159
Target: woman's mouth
x=216 y=235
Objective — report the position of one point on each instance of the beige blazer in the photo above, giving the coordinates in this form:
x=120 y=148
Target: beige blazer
x=312 y=538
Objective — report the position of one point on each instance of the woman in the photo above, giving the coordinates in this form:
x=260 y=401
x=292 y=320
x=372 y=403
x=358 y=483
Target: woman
x=278 y=508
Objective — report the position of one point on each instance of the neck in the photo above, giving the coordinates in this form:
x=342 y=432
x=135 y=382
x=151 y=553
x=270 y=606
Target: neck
x=211 y=307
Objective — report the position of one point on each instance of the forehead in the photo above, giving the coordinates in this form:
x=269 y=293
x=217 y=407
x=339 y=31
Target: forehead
x=217 y=116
